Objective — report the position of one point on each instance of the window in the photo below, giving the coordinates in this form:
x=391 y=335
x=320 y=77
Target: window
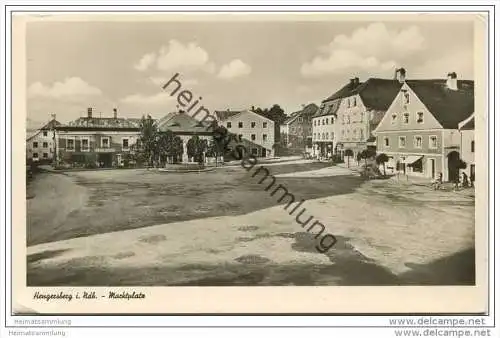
x=332 y=135
x=361 y=116
x=240 y=137
x=300 y=119
x=228 y=124
x=327 y=136
x=417 y=142
x=332 y=120
x=252 y=124
x=355 y=132
x=264 y=137
x=348 y=103
x=394 y=118
x=264 y=124
x=35 y=155
x=70 y=144
x=35 y=144
x=254 y=151
x=323 y=121
x=433 y=142
x=322 y=136
x=45 y=145
x=406 y=97
x=252 y=137
x=105 y=142
x=354 y=102
x=314 y=136
x=45 y=133
x=85 y=144
x=402 y=141
x=406 y=118
x=240 y=124
x=314 y=122
x=326 y=121
x=361 y=134
x=420 y=117
x=386 y=142
x=348 y=119
x=472 y=146
x=125 y=144
x=45 y=155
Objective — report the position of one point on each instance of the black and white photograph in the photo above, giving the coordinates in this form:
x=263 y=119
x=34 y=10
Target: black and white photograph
x=250 y=153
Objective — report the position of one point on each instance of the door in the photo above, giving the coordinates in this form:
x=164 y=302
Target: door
x=432 y=167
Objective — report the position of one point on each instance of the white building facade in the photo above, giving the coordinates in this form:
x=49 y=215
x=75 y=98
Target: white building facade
x=250 y=126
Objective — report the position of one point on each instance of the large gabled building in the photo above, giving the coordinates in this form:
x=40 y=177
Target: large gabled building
x=251 y=126
x=40 y=143
x=419 y=132
x=296 y=130
x=347 y=118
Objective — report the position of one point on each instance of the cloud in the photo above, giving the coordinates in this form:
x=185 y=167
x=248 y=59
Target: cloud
x=373 y=48
x=233 y=69
x=459 y=61
x=69 y=88
x=177 y=55
x=146 y=61
x=160 y=81
x=155 y=99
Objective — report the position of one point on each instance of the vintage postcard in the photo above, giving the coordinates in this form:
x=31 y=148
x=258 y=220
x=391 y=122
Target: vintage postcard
x=249 y=163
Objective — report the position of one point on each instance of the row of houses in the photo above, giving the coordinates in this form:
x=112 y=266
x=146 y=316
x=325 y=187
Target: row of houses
x=426 y=127
x=106 y=141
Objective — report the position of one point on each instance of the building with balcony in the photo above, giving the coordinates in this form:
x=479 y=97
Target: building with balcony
x=96 y=141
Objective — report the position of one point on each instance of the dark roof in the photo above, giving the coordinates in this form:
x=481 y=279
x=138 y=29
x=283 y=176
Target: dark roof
x=469 y=125
x=103 y=122
x=52 y=124
x=310 y=110
x=330 y=109
x=225 y=114
x=180 y=122
x=449 y=107
x=376 y=93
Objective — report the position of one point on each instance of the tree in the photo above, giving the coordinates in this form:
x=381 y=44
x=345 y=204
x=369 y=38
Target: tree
x=191 y=147
x=358 y=157
x=148 y=139
x=221 y=141
x=349 y=153
x=165 y=146
x=177 y=149
x=382 y=159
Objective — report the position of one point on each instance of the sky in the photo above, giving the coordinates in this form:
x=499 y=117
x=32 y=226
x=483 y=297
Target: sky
x=229 y=64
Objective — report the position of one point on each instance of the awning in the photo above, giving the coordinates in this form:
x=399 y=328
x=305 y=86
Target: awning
x=411 y=159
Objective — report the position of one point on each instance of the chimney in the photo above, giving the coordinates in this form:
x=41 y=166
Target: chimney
x=356 y=81
x=89 y=112
x=400 y=75
x=253 y=108
x=451 y=82
x=115 y=113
